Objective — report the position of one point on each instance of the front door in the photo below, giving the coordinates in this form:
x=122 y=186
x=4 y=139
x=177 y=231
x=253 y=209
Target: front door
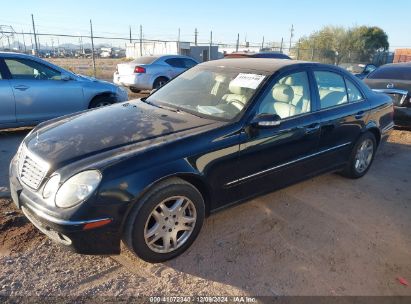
x=40 y=93
x=276 y=156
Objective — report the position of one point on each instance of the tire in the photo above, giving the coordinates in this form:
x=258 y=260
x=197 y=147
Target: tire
x=353 y=169
x=149 y=226
x=134 y=90
x=159 y=82
x=102 y=101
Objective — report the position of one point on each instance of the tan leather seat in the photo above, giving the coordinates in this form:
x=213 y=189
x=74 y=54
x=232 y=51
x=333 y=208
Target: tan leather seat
x=332 y=98
x=280 y=104
x=220 y=85
x=238 y=96
x=301 y=90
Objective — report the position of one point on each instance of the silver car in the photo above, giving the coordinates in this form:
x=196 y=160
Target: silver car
x=151 y=72
x=33 y=90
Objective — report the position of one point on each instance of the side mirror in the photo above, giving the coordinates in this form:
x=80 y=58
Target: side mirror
x=153 y=91
x=264 y=121
x=66 y=77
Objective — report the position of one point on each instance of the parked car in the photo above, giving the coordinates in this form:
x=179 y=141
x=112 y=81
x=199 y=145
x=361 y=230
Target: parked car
x=151 y=72
x=274 y=55
x=395 y=80
x=358 y=69
x=33 y=90
x=149 y=170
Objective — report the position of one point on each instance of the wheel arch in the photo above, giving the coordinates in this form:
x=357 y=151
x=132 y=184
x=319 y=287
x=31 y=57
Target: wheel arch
x=373 y=128
x=158 y=76
x=101 y=94
x=192 y=178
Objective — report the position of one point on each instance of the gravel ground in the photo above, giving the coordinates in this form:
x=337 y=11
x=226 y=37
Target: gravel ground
x=325 y=236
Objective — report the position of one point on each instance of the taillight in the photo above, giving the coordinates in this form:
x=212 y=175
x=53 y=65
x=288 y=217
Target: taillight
x=139 y=69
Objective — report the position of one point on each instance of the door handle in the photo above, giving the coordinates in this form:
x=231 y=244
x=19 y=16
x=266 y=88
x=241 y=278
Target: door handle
x=360 y=115
x=312 y=128
x=21 y=87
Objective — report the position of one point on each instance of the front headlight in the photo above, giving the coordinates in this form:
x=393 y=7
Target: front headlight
x=78 y=188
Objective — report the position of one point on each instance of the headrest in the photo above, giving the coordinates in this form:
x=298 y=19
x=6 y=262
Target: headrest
x=236 y=89
x=283 y=93
x=288 y=81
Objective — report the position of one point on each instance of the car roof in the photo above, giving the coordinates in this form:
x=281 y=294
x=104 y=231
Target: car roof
x=14 y=54
x=269 y=65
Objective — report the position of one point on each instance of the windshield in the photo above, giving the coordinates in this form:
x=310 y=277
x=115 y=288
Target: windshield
x=217 y=91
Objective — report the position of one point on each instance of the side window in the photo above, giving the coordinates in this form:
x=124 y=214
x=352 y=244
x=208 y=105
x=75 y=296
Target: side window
x=331 y=87
x=288 y=97
x=188 y=63
x=175 y=62
x=28 y=69
x=353 y=93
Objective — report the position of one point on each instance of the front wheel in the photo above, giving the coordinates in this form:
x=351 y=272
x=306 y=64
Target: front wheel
x=361 y=157
x=165 y=222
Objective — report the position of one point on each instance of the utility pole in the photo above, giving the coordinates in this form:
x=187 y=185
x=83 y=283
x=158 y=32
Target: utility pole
x=262 y=44
x=211 y=44
x=92 y=48
x=130 y=35
x=141 y=40
x=281 y=46
x=178 y=42
x=195 y=36
x=238 y=42
x=35 y=37
x=291 y=36
x=24 y=42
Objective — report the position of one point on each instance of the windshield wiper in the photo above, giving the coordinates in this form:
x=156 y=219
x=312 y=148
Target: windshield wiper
x=158 y=106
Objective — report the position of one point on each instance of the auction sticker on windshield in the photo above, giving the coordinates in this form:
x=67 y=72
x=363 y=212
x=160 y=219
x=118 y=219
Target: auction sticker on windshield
x=251 y=81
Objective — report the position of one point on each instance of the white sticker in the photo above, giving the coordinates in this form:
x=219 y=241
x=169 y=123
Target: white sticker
x=251 y=81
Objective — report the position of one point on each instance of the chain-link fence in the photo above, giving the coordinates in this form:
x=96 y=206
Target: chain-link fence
x=88 y=54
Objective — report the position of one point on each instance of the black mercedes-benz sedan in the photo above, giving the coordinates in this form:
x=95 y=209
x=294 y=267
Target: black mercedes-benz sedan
x=394 y=80
x=149 y=171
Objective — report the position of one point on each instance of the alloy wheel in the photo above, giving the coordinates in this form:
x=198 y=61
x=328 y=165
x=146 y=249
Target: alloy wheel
x=364 y=155
x=170 y=224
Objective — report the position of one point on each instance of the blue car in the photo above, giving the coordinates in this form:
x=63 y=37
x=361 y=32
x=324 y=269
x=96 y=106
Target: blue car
x=33 y=90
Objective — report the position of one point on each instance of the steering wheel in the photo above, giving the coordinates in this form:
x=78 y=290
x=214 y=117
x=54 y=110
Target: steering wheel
x=236 y=103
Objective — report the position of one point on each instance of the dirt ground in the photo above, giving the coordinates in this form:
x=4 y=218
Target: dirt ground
x=326 y=236
x=105 y=67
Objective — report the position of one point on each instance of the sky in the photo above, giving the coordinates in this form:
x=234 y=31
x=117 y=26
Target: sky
x=252 y=19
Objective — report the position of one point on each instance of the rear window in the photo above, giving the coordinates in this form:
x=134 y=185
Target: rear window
x=392 y=72
x=145 y=60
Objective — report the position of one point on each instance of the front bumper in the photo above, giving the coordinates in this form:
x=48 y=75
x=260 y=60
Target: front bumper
x=68 y=232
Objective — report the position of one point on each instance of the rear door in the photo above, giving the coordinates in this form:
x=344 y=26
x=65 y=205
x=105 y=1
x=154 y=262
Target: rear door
x=177 y=66
x=7 y=104
x=343 y=112
x=39 y=91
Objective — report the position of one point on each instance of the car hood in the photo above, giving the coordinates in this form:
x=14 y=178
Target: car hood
x=92 y=79
x=109 y=128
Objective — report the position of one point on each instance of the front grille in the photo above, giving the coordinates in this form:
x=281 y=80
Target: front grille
x=32 y=169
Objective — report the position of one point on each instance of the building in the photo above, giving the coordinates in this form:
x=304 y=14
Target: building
x=149 y=48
